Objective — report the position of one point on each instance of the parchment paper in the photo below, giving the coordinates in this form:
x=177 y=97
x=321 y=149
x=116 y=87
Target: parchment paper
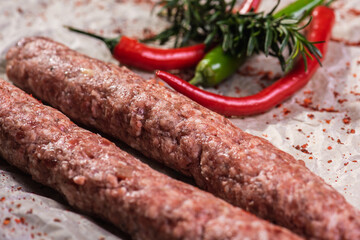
x=319 y=125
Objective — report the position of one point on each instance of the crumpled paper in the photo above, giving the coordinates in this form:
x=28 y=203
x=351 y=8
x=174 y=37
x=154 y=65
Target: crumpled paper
x=318 y=125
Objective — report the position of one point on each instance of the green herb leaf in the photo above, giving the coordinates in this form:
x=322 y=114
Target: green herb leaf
x=214 y=22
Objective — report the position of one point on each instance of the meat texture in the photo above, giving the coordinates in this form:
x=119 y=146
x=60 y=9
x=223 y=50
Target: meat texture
x=96 y=176
x=245 y=170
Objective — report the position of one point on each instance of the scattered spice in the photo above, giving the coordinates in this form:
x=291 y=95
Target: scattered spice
x=20 y=220
x=6 y=221
x=302 y=148
x=350 y=131
x=286 y=111
x=341 y=101
x=354 y=11
x=329 y=147
x=307 y=101
x=19 y=10
x=330 y=161
x=346 y=120
x=355 y=93
x=2 y=199
x=311 y=116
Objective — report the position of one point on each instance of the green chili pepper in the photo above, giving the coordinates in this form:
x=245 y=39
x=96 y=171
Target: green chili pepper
x=216 y=65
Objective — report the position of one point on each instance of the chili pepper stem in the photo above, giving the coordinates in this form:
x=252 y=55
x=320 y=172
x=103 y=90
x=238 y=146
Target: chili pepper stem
x=197 y=79
x=110 y=42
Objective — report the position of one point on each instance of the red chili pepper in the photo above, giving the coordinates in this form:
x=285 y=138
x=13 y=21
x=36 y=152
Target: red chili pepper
x=247 y=5
x=319 y=30
x=133 y=53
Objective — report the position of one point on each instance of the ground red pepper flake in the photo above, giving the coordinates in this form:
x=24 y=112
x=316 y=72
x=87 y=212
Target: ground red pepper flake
x=354 y=11
x=57 y=220
x=349 y=43
x=339 y=141
x=328 y=121
x=354 y=161
x=329 y=147
x=346 y=120
x=310 y=157
x=354 y=75
x=302 y=148
x=350 y=131
x=307 y=101
x=308 y=92
x=330 y=161
x=286 y=111
x=345 y=164
x=330 y=109
x=348 y=64
x=311 y=116
x=2 y=199
x=161 y=83
x=6 y=221
x=341 y=101
x=20 y=220
x=355 y=93
x=324 y=130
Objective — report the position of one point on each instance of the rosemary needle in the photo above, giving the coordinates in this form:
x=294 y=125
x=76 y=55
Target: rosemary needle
x=214 y=22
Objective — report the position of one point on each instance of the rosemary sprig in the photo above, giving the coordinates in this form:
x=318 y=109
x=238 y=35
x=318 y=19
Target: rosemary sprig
x=213 y=22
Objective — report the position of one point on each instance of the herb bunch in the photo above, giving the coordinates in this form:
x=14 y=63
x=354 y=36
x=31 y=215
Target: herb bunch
x=215 y=22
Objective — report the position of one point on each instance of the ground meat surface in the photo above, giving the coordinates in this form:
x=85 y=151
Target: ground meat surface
x=245 y=170
x=97 y=177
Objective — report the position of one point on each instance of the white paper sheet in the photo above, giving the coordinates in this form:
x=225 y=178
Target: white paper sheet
x=328 y=142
